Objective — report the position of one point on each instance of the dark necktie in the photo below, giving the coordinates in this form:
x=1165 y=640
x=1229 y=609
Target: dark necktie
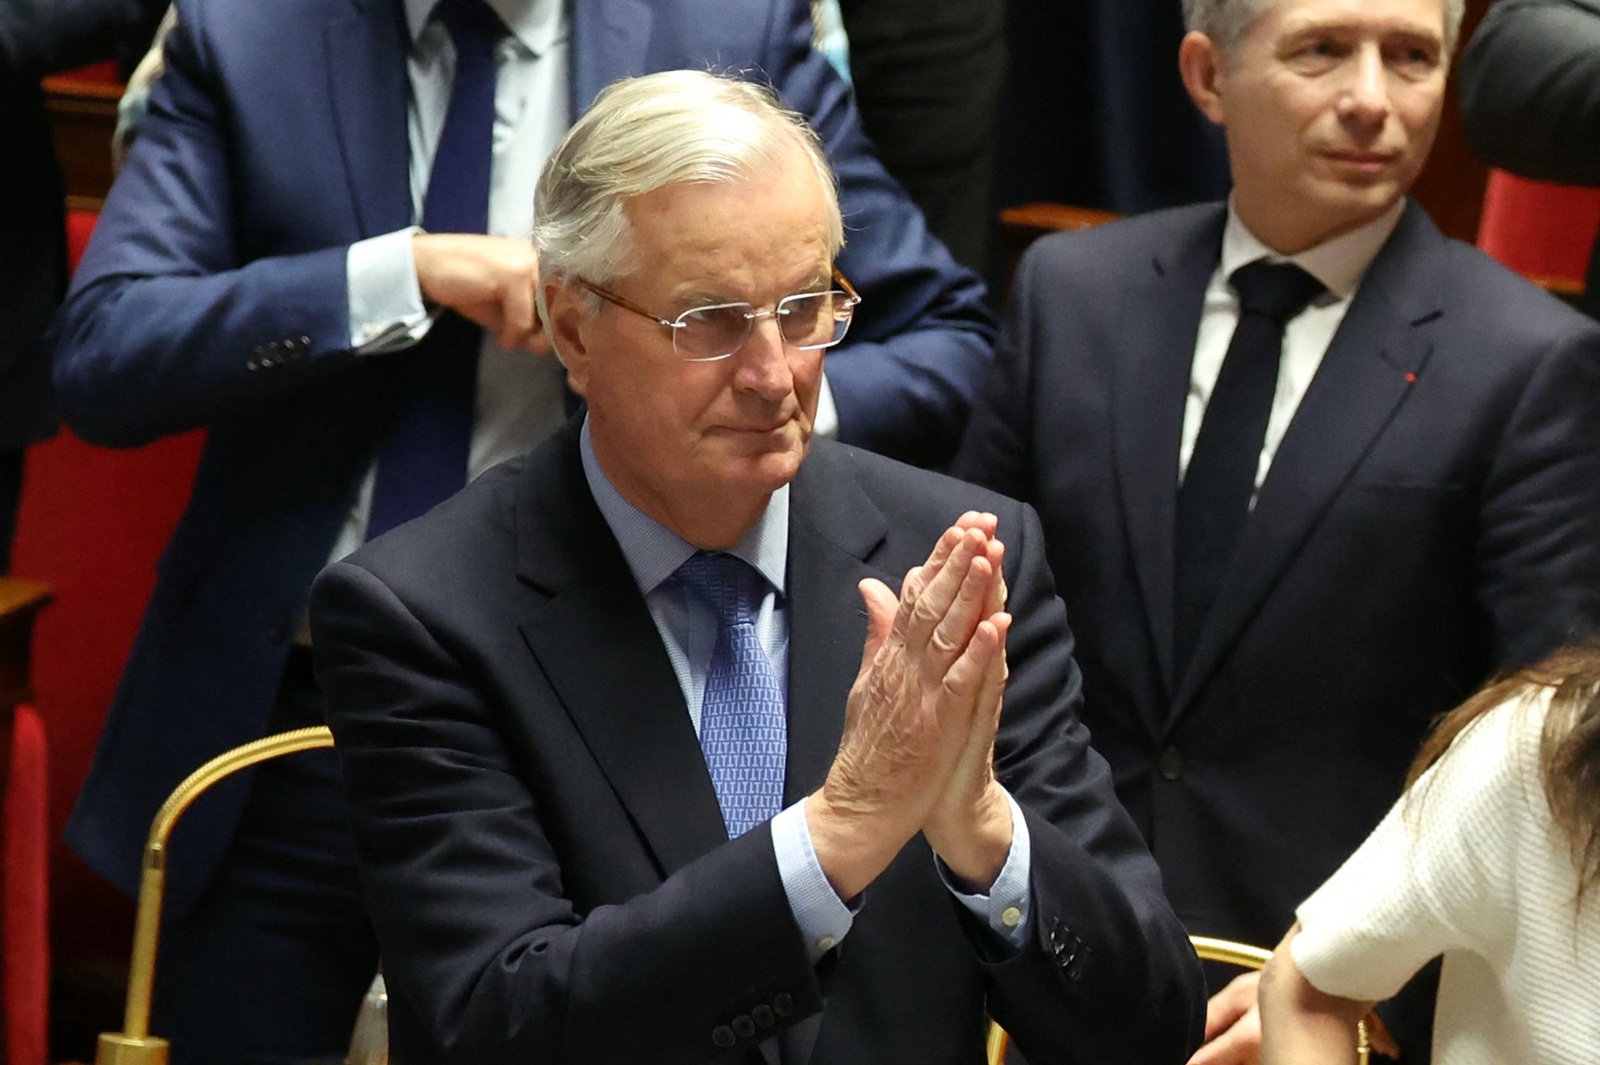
x=743 y=724
x=1214 y=500
x=423 y=457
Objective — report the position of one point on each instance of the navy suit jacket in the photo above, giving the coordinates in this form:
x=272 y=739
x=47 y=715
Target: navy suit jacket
x=1432 y=515
x=543 y=853
x=214 y=294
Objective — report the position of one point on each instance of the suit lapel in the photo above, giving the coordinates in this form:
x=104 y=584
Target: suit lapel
x=833 y=527
x=610 y=41
x=365 y=46
x=1368 y=370
x=633 y=719
x=1158 y=323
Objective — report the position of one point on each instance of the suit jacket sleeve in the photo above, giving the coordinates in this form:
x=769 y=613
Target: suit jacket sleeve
x=173 y=321
x=1109 y=974
x=1537 y=555
x=1530 y=89
x=920 y=344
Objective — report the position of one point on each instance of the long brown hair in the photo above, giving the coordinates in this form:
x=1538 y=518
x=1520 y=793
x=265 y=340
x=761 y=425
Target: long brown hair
x=1569 y=751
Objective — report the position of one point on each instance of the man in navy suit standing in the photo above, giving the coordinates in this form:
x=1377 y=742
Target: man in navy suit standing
x=317 y=251
x=1309 y=471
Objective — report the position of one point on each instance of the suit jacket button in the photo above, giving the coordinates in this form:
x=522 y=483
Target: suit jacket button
x=743 y=1027
x=763 y=1016
x=1170 y=764
x=782 y=1004
x=722 y=1035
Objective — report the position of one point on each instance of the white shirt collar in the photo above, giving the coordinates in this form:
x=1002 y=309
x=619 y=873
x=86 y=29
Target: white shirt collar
x=536 y=23
x=1337 y=263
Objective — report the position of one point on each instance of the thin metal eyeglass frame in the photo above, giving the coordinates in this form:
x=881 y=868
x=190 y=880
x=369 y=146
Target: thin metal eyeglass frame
x=675 y=324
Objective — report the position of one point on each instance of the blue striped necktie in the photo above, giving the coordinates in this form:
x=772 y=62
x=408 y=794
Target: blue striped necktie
x=423 y=457
x=743 y=723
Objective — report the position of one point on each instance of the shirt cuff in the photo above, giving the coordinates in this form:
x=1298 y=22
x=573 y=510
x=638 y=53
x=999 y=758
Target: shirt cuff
x=826 y=423
x=1007 y=905
x=824 y=920
x=386 y=309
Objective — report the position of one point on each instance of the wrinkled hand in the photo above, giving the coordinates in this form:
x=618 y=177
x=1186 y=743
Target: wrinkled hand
x=932 y=666
x=489 y=280
x=969 y=826
x=1233 y=1025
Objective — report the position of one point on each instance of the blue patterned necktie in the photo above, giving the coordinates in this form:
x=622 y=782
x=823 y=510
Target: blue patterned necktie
x=423 y=458
x=743 y=725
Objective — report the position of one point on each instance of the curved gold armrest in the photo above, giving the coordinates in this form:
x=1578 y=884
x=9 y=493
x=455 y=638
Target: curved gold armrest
x=1206 y=948
x=134 y=1045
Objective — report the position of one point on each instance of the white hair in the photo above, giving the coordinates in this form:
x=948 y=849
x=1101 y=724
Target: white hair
x=645 y=133
x=1227 y=21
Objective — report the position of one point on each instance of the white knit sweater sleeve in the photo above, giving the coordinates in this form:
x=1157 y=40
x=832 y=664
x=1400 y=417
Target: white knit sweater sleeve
x=1434 y=874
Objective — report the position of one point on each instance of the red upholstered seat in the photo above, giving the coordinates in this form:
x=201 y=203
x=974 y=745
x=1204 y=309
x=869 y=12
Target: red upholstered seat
x=92 y=523
x=1541 y=230
x=24 y=928
x=80 y=224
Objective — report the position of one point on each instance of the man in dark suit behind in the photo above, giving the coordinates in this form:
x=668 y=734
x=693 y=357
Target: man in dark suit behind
x=1530 y=97
x=533 y=687
x=39 y=37
x=1416 y=503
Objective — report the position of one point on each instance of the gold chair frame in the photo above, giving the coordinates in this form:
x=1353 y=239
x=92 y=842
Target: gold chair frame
x=134 y=1045
x=1206 y=948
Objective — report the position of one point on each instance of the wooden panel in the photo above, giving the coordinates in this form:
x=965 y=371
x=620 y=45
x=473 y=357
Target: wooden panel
x=83 y=114
x=1020 y=226
x=20 y=603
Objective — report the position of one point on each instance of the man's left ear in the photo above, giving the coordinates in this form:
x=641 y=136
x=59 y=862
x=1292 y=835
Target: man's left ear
x=1200 y=64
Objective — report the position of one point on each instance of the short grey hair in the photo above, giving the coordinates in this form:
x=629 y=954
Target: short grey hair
x=1227 y=21
x=645 y=133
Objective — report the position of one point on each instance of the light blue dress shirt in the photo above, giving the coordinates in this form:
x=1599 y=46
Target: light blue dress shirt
x=688 y=629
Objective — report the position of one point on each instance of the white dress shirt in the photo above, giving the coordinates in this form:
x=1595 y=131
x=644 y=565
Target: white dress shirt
x=1339 y=264
x=520 y=398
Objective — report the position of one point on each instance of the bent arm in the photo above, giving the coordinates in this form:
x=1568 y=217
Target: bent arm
x=182 y=313
x=1301 y=1025
x=1537 y=557
x=1530 y=89
x=919 y=348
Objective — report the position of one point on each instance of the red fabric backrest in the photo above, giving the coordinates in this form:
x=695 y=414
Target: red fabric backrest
x=24 y=837
x=1538 y=229
x=92 y=523
x=80 y=224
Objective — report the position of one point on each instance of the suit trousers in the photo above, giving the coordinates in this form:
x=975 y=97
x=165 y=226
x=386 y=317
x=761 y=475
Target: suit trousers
x=270 y=964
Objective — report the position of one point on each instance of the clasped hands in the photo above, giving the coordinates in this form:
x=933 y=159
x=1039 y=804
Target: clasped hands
x=917 y=753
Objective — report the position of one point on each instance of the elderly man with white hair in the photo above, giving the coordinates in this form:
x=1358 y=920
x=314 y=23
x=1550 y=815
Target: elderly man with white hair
x=648 y=761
